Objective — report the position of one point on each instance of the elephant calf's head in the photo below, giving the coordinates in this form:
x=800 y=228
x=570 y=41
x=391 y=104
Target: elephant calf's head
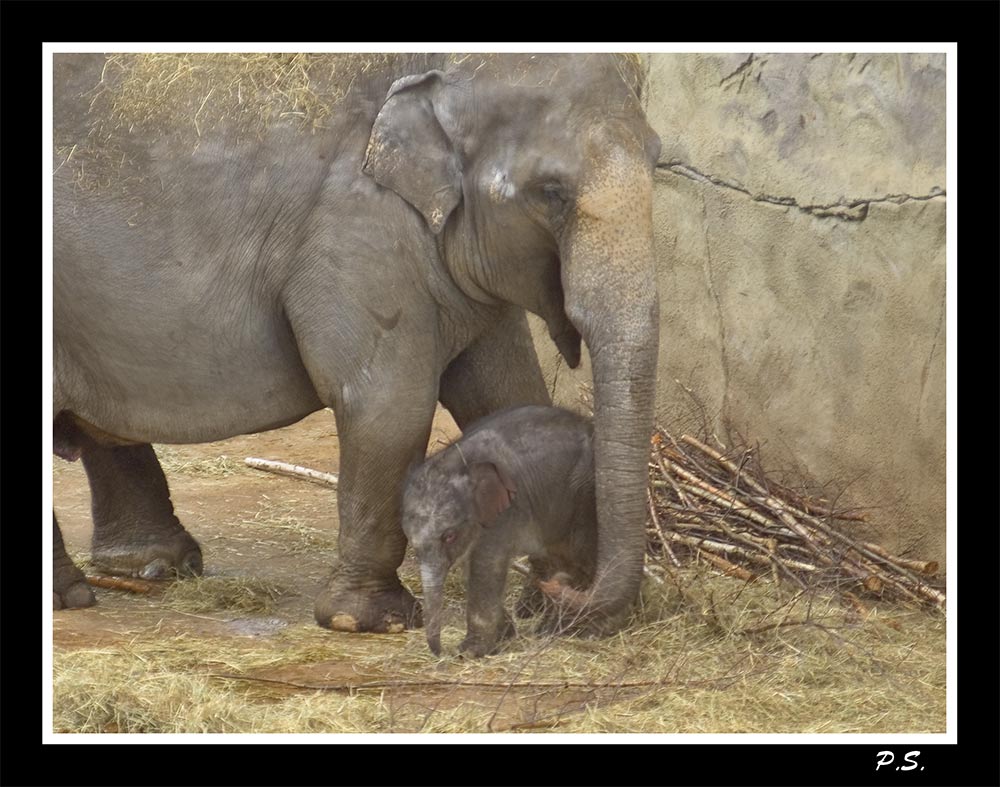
x=446 y=505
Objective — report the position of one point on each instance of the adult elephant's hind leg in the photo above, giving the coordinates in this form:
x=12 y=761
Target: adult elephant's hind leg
x=69 y=585
x=381 y=434
x=135 y=530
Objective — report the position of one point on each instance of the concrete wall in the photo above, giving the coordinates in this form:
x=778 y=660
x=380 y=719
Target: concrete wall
x=799 y=212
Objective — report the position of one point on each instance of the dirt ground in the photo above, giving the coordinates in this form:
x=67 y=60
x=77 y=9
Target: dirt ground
x=694 y=659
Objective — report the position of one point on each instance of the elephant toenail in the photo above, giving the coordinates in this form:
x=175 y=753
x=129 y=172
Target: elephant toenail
x=344 y=622
x=156 y=569
x=192 y=565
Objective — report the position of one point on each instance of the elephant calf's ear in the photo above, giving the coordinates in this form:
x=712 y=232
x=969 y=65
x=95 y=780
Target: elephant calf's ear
x=494 y=491
x=410 y=153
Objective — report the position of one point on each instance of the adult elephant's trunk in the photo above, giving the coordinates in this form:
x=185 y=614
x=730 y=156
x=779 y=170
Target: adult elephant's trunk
x=610 y=288
x=432 y=578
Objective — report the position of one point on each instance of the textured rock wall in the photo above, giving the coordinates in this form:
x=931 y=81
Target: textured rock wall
x=799 y=210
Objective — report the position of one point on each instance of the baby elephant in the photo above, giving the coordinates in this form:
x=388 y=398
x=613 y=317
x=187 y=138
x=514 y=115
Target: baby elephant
x=520 y=481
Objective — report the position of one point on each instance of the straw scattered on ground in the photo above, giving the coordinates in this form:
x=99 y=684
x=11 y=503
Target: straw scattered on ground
x=244 y=595
x=276 y=523
x=718 y=656
x=175 y=462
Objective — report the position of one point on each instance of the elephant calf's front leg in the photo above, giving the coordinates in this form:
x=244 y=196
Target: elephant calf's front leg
x=488 y=622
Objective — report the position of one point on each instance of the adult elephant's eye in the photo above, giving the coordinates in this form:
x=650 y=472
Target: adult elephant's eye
x=554 y=195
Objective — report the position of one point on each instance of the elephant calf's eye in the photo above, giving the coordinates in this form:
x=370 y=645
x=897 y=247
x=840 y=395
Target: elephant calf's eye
x=449 y=536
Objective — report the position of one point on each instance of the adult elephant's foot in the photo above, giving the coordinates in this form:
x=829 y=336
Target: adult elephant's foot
x=162 y=554
x=381 y=609
x=69 y=587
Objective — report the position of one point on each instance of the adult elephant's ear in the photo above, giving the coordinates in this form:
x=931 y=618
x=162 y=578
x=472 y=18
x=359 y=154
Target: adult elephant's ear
x=410 y=152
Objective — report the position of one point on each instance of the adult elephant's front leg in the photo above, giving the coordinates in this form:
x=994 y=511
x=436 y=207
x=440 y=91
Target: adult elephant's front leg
x=381 y=433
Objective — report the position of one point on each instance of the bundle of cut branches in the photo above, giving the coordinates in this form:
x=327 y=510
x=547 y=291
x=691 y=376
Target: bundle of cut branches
x=720 y=507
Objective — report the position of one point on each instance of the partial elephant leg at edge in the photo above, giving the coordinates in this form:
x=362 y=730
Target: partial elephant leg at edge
x=69 y=585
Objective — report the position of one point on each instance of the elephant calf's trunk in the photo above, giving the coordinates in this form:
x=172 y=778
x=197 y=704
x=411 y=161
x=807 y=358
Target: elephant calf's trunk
x=433 y=602
x=434 y=639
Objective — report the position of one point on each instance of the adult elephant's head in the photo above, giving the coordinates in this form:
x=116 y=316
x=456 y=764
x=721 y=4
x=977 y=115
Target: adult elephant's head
x=536 y=172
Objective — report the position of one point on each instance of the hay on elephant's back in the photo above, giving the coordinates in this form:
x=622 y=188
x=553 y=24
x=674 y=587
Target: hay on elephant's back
x=164 y=90
x=189 y=95
x=257 y=89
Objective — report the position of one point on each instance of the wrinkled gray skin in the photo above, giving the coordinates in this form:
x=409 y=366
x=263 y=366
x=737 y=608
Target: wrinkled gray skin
x=376 y=265
x=519 y=482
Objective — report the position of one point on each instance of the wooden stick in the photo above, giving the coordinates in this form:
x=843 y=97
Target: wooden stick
x=760 y=509
x=659 y=530
x=786 y=518
x=754 y=544
x=121 y=583
x=680 y=492
x=783 y=508
x=520 y=567
x=293 y=471
x=543 y=724
x=728 y=568
x=708 y=492
x=858 y=547
x=926 y=567
x=719 y=546
x=878 y=554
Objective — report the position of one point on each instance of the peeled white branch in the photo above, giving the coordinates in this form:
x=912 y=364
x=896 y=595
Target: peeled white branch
x=293 y=471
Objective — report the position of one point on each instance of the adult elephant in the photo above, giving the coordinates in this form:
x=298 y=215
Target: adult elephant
x=240 y=240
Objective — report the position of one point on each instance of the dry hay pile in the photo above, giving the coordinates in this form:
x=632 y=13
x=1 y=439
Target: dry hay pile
x=164 y=90
x=154 y=90
x=153 y=95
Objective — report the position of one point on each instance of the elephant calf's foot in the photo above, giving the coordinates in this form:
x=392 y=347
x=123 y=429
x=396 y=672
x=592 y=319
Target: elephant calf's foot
x=381 y=611
x=572 y=623
x=177 y=555
x=70 y=589
x=479 y=645
x=531 y=601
